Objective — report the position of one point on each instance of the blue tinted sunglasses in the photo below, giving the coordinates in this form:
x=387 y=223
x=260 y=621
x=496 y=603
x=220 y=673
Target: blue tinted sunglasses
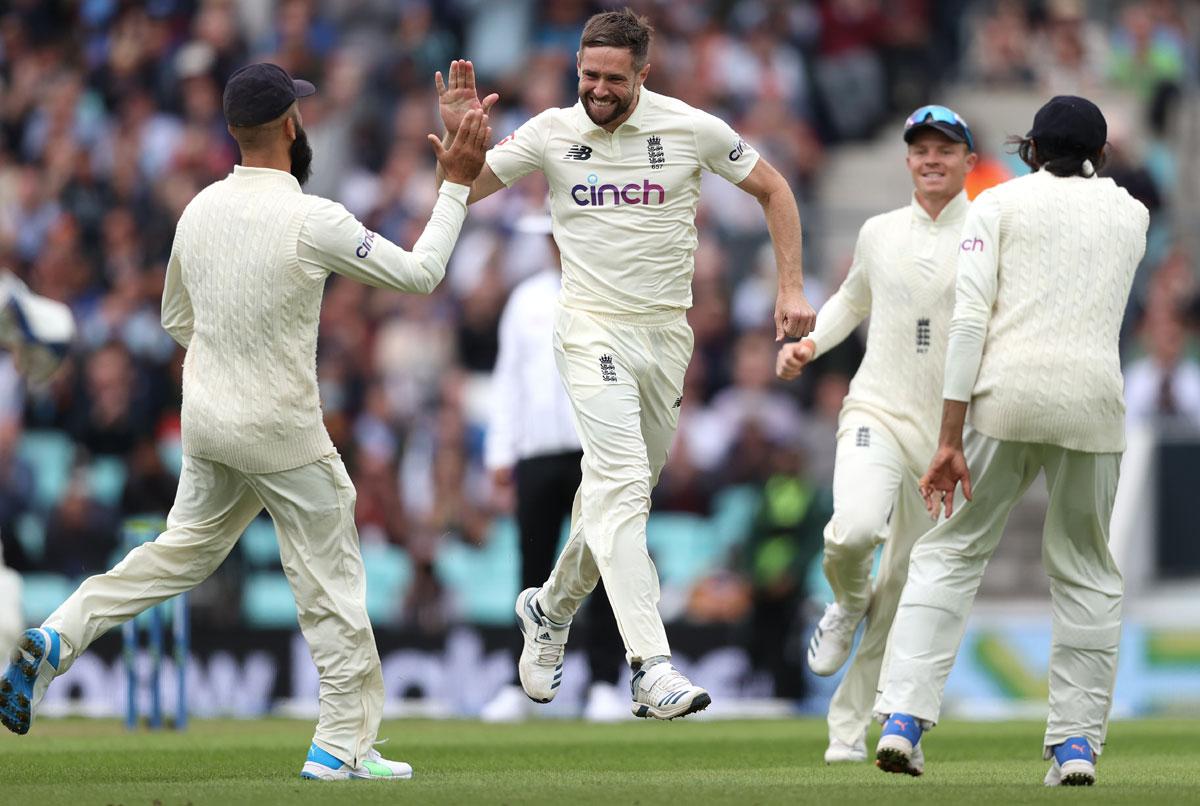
x=940 y=114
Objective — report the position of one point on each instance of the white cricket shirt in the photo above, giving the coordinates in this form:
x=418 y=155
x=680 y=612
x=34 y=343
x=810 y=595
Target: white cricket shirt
x=624 y=204
x=903 y=277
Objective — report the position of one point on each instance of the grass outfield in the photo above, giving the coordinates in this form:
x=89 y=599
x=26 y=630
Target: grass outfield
x=81 y=762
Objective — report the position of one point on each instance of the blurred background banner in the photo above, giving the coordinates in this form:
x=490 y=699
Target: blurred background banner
x=110 y=122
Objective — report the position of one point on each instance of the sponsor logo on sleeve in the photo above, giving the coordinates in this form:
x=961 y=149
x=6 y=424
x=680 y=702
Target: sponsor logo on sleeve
x=739 y=148
x=365 y=244
x=972 y=245
x=512 y=136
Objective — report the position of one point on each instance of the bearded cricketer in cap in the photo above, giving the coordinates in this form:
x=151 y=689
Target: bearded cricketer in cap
x=243 y=296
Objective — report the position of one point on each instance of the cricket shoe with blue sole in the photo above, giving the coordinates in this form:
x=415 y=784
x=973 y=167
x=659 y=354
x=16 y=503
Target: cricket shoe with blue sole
x=321 y=765
x=1074 y=764
x=899 y=748
x=663 y=692
x=545 y=645
x=34 y=664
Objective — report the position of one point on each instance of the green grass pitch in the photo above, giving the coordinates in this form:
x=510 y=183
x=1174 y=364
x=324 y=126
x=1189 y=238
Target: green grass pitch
x=570 y=763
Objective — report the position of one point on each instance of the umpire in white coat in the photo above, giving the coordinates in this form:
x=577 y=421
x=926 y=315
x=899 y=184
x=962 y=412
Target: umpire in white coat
x=532 y=446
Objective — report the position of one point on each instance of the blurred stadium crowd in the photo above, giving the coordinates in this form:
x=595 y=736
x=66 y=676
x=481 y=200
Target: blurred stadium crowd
x=110 y=121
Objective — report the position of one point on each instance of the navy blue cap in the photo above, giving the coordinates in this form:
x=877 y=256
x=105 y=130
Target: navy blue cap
x=1071 y=123
x=259 y=93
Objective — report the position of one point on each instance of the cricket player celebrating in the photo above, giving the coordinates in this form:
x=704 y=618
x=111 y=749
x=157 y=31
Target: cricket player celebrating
x=624 y=167
x=903 y=278
x=243 y=296
x=1045 y=267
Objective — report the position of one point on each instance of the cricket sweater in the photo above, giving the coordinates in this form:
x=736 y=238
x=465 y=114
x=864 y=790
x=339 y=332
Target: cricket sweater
x=1044 y=273
x=243 y=294
x=903 y=277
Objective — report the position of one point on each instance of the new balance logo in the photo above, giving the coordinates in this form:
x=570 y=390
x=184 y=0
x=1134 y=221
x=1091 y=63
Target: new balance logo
x=862 y=437
x=608 y=370
x=578 y=152
x=678 y=402
x=923 y=335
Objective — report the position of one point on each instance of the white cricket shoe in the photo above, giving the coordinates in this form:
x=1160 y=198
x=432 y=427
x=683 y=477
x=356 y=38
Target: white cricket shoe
x=664 y=693
x=541 y=664
x=832 y=640
x=375 y=767
x=839 y=752
x=323 y=766
x=509 y=705
x=605 y=704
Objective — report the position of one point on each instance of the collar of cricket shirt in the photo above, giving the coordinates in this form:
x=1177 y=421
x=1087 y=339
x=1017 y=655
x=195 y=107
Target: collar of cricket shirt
x=954 y=211
x=266 y=174
x=587 y=126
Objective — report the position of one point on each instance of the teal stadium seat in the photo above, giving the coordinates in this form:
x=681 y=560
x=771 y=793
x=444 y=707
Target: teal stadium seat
x=389 y=576
x=267 y=601
x=734 y=510
x=684 y=547
x=259 y=546
x=42 y=593
x=483 y=581
x=106 y=479
x=49 y=454
x=31 y=532
x=170 y=451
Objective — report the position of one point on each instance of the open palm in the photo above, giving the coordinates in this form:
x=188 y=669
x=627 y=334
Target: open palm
x=457 y=95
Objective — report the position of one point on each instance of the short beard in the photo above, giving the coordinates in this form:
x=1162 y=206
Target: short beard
x=302 y=156
x=619 y=108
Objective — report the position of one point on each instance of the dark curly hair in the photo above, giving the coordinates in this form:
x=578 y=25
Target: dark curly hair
x=1060 y=159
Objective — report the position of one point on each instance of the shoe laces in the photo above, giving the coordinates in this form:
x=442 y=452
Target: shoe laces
x=837 y=620
x=672 y=681
x=548 y=654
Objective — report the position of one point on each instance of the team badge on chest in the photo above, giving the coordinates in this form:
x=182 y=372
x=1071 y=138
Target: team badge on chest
x=654 y=151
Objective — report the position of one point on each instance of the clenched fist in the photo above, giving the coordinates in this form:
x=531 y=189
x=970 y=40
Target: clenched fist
x=793 y=358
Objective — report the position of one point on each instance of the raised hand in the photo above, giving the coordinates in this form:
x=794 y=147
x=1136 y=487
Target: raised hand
x=793 y=358
x=457 y=96
x=463 y=160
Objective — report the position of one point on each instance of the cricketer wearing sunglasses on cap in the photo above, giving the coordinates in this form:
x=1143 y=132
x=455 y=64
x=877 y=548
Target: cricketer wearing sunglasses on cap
x=902 y=277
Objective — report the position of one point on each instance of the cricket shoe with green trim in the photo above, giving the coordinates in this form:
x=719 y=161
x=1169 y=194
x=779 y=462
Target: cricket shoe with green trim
x=324 y=766
x=664 y=693
x=34 y=664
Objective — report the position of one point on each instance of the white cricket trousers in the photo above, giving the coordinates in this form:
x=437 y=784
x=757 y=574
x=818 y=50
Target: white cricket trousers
x=313 y=510
x=624 y=376
x=1085 y=585
x=876 y=500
